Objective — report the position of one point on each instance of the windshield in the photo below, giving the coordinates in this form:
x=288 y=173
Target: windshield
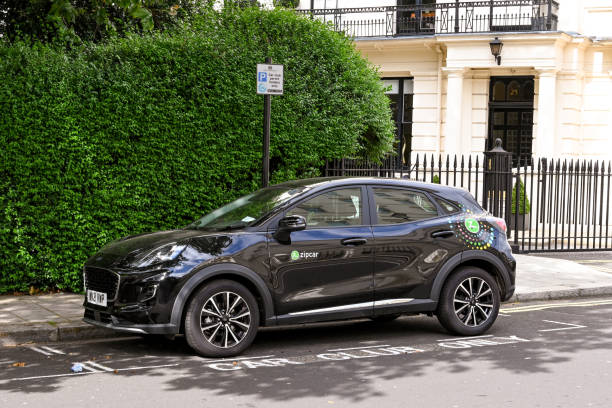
x=246 y=210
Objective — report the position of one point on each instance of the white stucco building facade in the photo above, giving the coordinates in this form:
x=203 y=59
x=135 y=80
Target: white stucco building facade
x=550 y=96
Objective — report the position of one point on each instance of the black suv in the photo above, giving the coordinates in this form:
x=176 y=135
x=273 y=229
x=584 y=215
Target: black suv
x=307 y=251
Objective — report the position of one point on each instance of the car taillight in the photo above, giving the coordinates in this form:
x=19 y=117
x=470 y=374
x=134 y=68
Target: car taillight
x=501 y=223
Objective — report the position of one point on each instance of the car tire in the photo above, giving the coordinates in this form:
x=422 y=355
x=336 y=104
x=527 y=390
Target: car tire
x=469 y=310
x=218 y=326
x=385 y=318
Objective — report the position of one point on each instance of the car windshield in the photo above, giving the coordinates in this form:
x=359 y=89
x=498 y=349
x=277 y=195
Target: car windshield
x=246 y=210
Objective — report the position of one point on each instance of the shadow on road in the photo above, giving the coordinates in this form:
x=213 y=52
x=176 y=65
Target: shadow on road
x=350 y=380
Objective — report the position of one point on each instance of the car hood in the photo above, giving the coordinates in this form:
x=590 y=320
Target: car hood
x=132 y=246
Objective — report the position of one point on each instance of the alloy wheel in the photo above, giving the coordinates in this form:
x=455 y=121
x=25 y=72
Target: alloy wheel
x=473 y=301
x=225 y=319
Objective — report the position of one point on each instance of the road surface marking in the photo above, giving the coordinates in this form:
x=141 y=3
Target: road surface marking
x=467 y=338
x=96 y=365
x=89 y=372
x=225 y=360
x=56 y=351
x=355 y=353
x=47 y=351
x=532 y=308
x=36 y=349
x=571 y=326
x=358 y=348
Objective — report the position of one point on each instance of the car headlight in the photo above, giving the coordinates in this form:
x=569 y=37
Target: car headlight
x=162 y=254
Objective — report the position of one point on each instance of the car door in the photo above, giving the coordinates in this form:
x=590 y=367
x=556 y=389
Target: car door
x=412 y=241
x=326 y=271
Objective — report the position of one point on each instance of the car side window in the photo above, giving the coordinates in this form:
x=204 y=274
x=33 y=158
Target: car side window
x=396 y=206
x=448 y=206
x=336 y=208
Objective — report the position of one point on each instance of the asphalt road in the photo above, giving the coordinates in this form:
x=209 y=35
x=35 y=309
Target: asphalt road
x=555 y=354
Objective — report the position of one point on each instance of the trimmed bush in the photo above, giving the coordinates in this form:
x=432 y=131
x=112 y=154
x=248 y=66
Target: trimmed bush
x=149 y=133
x=524 y=206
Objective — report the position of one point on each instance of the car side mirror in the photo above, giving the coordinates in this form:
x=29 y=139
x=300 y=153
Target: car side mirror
x=287 y=225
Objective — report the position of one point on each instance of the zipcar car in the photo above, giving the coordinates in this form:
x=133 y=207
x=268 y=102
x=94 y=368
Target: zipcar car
x=307 y=251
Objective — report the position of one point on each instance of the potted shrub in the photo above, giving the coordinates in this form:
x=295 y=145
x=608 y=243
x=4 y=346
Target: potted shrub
x=524 y=207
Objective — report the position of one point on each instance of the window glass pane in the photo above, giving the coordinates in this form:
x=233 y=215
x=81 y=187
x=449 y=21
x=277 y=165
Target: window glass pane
x=393 y=104
x=408 y=108
x=499 y=91
x=498 y=118
x=512 y=140
x=513 y=91
x=407 y=142
x=527 y=90
x=408 y=86
x=335 y=208
x=448 y=206
x=393 y=83
x=395 y=206
x=513 y=118
x=527 y=118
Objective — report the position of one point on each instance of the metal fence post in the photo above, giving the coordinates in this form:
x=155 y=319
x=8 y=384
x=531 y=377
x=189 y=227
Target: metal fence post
x=497 y=197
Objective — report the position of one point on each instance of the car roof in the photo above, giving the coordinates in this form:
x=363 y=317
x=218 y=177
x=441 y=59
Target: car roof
x=320 y=183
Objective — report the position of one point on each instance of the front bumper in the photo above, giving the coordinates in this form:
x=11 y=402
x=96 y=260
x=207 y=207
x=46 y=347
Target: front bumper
x=136 y=302
x=111 y=322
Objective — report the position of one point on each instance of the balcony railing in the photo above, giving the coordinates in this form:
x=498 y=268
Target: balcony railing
x=442 y=18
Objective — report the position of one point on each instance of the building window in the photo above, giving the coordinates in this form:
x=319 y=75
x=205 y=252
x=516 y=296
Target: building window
x=401 y=92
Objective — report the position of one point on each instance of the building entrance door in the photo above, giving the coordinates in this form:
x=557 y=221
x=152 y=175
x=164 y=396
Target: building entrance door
x=511 y=115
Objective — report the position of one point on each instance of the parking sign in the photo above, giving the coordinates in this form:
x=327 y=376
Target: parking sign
x=269 y=79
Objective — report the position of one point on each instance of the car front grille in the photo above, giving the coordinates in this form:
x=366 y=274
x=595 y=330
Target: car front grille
x=102 y=280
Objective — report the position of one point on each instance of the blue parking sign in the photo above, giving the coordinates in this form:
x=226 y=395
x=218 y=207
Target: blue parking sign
x=269 y=79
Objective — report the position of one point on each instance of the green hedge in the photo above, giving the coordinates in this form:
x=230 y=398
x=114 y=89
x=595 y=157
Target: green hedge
x=149 y=133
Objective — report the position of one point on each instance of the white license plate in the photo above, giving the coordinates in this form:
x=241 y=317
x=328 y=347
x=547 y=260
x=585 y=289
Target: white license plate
x=96 y=298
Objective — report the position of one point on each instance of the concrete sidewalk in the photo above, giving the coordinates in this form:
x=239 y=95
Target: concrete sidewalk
x=57 y=317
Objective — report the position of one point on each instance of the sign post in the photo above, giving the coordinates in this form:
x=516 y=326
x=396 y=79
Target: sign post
x=269 y=82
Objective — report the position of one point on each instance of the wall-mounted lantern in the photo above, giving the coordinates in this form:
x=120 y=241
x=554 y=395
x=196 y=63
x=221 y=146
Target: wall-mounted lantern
x=496 y=47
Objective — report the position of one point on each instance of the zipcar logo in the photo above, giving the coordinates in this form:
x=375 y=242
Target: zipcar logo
x=295 y=255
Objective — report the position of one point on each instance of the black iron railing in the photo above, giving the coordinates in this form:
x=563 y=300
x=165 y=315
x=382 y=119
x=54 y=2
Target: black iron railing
x=442 y=18
x=566 y=204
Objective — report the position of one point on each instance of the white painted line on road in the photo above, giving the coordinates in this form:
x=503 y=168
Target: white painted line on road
x=89 y=372
x=224 y=360
x=56 y=351
x=359 y=348
x=466 y=338
x=96 y=365
x=47 y=351
x=38 y=377
x=36 y=349
x=571 y=326
x=86 y=367
x=147 y=367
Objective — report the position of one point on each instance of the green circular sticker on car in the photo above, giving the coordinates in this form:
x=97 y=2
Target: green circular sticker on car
x=295 y=255
x=472 y=225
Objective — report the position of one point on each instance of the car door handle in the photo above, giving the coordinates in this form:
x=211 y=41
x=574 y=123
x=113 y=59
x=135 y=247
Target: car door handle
x=354 y=241
x=442 y=234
